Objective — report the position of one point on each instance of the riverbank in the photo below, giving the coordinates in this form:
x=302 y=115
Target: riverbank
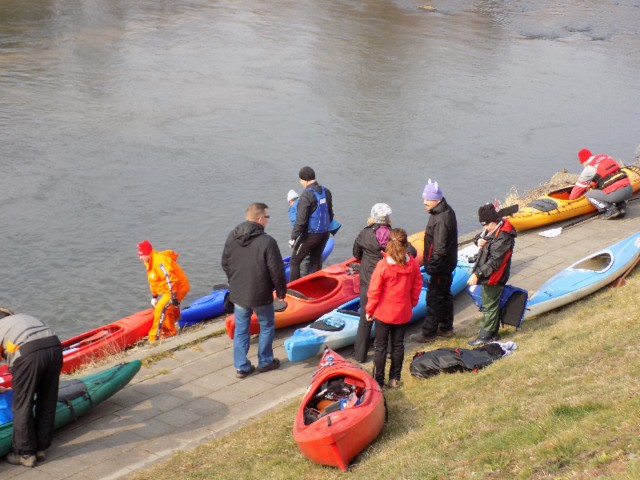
x=187 y=396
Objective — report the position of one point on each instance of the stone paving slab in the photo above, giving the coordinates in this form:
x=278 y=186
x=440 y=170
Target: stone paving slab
x=191 y=395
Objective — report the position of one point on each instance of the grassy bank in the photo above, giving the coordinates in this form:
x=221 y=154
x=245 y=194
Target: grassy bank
x=565 y=405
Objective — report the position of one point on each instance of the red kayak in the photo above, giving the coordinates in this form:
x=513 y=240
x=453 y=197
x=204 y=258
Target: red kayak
x=97 y=343
x=312 y=296
x=342 y=412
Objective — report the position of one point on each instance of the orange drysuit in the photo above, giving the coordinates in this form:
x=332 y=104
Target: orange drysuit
x=167 y=280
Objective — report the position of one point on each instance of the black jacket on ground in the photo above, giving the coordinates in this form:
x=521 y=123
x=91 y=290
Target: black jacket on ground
x=253 y=264
x=306 y=206
x=441 y=241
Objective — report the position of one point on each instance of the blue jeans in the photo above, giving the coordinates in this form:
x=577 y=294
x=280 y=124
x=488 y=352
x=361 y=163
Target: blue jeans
x=241 y=336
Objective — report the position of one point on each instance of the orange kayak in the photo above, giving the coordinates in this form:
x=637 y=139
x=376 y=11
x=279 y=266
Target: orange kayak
x=97 y=343
x=342 y=412
x=556 y=206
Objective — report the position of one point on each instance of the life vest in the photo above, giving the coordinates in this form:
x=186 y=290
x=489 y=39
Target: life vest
x=608 y=172
x=319 y=218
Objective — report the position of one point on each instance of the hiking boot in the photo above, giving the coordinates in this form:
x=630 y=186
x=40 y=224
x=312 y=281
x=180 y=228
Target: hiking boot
x=393 y=383
x=245 y=373
x=272 y=366
x=611 y=213
x=478 y=342
x=41 y=456
x=622 y=208
x=446 y=333
x=421 y=338
x=24 y=460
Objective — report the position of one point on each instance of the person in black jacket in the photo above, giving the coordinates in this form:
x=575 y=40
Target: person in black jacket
x=253 y=264
x=492 y=269
x=368 y=248
x=440 y=260
x=311 y=229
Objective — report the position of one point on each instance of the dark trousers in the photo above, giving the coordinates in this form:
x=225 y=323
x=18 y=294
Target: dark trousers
x=388 y=334
x=490 y=323
x=439 y=305
x=312 y=245
x=35 y=392
x=363 y=337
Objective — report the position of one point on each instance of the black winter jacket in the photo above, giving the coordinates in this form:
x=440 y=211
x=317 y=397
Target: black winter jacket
x=253 y=264
x=367 y=249
x=441 y=241
x=493 y=265
x=306 y=206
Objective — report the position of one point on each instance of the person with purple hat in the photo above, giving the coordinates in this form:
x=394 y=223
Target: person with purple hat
x=440 y=260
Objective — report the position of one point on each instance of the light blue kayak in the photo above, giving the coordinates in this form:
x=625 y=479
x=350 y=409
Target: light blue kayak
x=212 y=305
x=585 y=276
x=338 y=328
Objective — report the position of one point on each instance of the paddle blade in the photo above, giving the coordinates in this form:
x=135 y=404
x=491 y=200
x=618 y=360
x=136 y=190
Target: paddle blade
x=554 y=232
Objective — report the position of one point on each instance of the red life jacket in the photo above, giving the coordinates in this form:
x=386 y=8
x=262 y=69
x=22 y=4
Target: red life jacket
x=608 y=176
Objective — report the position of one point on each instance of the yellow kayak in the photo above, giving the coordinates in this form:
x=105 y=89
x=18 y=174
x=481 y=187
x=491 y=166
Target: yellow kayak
x=556 y=206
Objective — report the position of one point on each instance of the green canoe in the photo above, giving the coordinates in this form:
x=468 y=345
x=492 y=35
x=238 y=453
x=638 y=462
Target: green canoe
x=75 y=397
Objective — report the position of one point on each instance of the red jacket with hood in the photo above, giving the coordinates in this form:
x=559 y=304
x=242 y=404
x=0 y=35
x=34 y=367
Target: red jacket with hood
x=394 y=290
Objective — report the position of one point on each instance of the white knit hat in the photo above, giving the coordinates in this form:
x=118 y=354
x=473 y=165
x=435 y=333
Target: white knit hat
x=380 y=211
x=292 y=195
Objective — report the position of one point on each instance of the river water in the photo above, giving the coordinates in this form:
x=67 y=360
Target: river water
x=124 y=120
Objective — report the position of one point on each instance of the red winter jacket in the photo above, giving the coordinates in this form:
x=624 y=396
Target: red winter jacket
x=601 y=172
x=394 y=290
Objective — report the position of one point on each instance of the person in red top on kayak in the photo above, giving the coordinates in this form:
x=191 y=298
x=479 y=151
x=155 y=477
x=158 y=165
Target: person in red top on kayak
x=606 y=185
x=393 y=292
x=492 y=268
x=168 y=284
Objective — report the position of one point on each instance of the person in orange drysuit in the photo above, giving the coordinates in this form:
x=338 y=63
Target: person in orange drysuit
x=168 y=284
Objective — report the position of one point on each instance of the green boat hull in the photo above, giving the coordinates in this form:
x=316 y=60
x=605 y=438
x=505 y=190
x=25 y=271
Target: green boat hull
x=76 y=397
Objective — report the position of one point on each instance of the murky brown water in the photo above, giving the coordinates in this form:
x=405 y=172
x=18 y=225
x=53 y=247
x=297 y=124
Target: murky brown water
x=163 y=120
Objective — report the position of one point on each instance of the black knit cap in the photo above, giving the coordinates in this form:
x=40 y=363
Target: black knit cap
x=487 y=214
x=307 y=173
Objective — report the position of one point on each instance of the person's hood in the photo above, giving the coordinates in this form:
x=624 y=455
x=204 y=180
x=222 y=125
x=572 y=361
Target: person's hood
x=247 y=232
x=406 y=269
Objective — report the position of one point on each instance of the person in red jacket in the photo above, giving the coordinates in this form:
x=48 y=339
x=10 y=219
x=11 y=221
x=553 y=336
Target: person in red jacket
x=393 y=292
x=607 y=187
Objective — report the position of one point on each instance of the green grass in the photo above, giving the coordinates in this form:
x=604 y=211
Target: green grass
x=565 y=405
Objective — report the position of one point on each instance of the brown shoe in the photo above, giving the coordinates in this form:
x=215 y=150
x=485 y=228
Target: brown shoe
x=24 y=460
x=420 y=338
x=245 y=373
x=272 y=366
x=393 y=383
x=446 y=333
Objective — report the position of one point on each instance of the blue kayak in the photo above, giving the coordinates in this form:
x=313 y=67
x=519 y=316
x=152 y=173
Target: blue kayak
x=338 y=328
x=212 y=305
x=585 y=276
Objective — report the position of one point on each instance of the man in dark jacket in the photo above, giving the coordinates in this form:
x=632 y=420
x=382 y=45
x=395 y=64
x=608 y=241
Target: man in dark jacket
x=440 y=260
x=34 y=357
x=253 y=264
x=492 y=269
x=311 y=229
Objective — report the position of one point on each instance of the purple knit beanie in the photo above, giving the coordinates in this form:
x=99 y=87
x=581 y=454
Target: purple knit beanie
x=432 y=191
